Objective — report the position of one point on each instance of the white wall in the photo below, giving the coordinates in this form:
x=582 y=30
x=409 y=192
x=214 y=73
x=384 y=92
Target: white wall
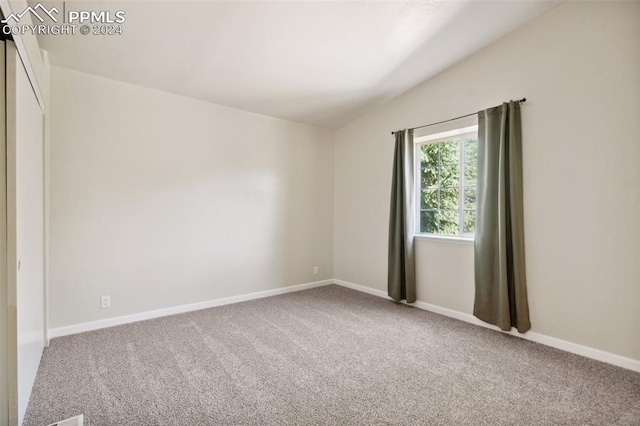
x=159 y=200
x=579 y=68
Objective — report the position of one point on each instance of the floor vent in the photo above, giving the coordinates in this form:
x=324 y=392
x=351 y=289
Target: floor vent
x=73 y=421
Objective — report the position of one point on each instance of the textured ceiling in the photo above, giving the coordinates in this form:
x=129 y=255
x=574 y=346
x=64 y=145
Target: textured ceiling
x=319 y=63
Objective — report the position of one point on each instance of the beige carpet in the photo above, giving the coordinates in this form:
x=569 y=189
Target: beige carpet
x=324 y=356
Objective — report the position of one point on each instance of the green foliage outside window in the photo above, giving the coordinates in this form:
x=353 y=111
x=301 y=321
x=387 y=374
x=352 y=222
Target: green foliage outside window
x=441 y=184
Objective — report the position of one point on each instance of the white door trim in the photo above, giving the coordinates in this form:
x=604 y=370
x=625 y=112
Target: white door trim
x=29 y=52
x=12 y=269
x=4 y=314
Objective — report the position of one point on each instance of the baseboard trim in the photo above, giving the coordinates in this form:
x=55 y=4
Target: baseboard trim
x=126 y=319
x=575 y=348
x=554 y=342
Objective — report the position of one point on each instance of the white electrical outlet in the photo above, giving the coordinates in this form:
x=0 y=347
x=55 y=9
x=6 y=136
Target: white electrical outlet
x=105 y=302
x=316 y=270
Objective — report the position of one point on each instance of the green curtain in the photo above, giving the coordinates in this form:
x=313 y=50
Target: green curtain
x=401 y=270
x=501 y=287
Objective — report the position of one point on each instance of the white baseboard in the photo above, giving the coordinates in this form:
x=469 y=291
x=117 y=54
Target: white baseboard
x=586 y=351
x=564 y=345
x=126 y=319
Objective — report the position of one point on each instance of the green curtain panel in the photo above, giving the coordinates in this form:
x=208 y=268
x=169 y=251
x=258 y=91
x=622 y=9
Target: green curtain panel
x=402 y=277
x=500 y=279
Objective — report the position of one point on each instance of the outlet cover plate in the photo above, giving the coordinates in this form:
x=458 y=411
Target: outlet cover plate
x=105 y=302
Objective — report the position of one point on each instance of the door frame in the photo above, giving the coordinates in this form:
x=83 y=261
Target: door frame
x=4 y=312
x=11 y=57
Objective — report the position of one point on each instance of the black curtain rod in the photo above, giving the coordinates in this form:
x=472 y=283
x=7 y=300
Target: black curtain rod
x=451 y=119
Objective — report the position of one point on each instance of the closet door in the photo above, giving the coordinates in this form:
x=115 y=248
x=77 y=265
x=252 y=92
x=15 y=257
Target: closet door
x=25 y=232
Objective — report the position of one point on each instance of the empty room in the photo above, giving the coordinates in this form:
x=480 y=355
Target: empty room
x=314 y=212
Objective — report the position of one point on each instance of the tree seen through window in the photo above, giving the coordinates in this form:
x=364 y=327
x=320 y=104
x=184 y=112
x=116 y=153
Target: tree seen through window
x=448 y=174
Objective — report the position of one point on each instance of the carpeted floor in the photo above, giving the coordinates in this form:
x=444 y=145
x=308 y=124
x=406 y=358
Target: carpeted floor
x=324 y=356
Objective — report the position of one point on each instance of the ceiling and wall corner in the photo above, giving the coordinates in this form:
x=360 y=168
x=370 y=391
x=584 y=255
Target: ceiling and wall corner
x=317 y=63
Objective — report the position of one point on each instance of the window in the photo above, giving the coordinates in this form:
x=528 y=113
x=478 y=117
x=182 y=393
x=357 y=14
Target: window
x=447 y=173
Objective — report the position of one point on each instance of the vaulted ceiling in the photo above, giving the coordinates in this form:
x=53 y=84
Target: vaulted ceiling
x=321 y=63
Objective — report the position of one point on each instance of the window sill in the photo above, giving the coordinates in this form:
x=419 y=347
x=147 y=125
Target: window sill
x=444 y=238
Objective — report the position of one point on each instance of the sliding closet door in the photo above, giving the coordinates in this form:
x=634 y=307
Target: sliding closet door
x=25 y=231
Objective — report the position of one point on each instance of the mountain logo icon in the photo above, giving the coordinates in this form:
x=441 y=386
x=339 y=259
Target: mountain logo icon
x=34 y=11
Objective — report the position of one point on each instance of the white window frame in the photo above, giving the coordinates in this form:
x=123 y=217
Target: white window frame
x=418 y=142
